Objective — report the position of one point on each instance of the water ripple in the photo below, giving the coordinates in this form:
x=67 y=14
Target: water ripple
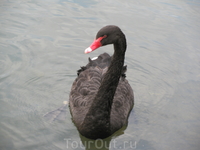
x=10 y=60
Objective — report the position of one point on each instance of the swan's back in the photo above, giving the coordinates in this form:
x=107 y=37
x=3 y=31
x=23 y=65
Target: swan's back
x=86 y=86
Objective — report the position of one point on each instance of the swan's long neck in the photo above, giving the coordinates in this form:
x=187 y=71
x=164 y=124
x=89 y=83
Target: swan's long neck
x=109 y=84
x=98 y=116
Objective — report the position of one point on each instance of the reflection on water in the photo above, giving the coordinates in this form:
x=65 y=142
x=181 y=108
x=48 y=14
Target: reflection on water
x=41 y=47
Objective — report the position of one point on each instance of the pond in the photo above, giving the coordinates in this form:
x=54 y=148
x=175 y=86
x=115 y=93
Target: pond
x=42 y=46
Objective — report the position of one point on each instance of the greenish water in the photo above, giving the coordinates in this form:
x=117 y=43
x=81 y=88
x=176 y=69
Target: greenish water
x=41 y=47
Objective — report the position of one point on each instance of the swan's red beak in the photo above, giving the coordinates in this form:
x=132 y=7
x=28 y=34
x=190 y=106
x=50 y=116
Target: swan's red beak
x=96 y=44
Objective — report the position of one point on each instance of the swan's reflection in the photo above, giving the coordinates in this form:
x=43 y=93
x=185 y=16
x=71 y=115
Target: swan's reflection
x=102 y=144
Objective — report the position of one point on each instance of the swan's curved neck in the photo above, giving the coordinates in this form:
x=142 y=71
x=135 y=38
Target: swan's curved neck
x=104 y=97
x=109 y=84
x=99 y=113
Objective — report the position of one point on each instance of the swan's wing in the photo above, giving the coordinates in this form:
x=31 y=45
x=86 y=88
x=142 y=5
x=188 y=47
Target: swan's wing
x=86 y=85
x=122 y=104
x=88 y=80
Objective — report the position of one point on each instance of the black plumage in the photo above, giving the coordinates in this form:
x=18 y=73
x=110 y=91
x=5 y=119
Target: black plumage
x=101 y=97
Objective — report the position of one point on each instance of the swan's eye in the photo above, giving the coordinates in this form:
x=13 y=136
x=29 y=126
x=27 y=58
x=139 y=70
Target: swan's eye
x=104 y=36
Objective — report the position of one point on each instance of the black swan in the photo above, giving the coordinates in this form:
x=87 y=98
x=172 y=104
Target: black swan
x=101 y=98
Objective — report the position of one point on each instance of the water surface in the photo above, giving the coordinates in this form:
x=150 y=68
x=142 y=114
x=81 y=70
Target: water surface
x=41 y=47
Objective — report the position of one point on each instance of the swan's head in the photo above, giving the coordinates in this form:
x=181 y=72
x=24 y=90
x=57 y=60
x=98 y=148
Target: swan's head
x=107 y=35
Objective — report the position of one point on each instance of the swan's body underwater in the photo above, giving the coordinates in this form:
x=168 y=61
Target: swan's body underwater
x=101 y=98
